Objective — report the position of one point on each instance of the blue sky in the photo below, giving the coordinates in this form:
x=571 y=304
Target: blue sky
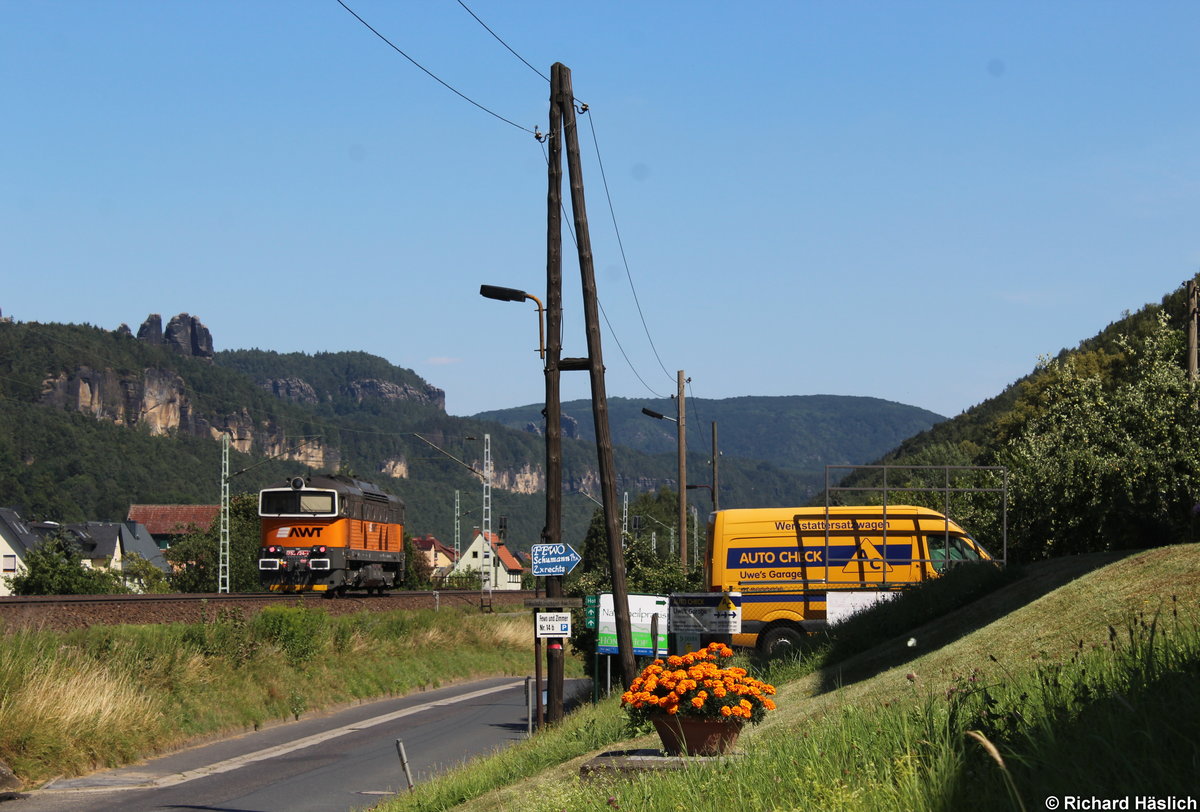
x=907 y=200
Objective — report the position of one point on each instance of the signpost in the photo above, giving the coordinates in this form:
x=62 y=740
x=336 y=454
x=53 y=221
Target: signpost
x=697 y=618
x=553 y=559
x=591 y=610
x=642 y=609
x=706 y=613
x=553 y=624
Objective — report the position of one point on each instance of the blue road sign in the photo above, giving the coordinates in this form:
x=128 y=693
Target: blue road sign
x=553 y=559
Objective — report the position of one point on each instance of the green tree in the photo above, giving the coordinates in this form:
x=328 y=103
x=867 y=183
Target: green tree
x=143 y=577
x=55 y=567
x=195 y=558
x=418 y=572
x=651 y=565
x=1111 y=461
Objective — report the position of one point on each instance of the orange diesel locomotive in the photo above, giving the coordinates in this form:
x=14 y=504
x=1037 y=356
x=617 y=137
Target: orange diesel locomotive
x=330 y=534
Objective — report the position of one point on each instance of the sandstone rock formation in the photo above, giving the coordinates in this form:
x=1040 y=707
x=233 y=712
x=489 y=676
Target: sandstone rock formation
x=371 y=388
x=293 y=390
x=185 y=334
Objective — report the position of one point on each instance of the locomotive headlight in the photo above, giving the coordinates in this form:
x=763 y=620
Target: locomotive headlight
x=320 y=549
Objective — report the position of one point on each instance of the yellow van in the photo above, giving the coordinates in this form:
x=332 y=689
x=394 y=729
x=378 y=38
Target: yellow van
x=784 y=561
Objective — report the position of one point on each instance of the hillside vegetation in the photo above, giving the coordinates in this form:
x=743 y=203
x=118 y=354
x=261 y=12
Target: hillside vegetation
x=799 y=433
x=1074 y=680
x=95 y=420
x=1098 y=446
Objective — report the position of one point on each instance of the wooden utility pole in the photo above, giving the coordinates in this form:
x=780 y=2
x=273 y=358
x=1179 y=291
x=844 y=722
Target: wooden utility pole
x=562 y=105
x=682 y=451
x=1191 y=329
x=552 y=533
x=715 y=480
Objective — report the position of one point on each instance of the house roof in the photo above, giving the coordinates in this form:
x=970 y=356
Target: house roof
x=98 y=539
x=17 y=532
x=135 y=538
x=509 y=560
x=502 y=552
x=166 y=520
x=427 y=543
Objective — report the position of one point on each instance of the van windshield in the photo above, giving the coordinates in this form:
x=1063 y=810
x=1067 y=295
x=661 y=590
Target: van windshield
x=946 y=551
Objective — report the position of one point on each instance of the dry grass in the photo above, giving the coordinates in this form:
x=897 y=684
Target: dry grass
x=66 y=698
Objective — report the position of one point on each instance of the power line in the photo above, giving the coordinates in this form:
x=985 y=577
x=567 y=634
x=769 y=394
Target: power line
x=502 y=42
x=432 y=75
x=628 y=275
x=540 y=137
x=611 y=331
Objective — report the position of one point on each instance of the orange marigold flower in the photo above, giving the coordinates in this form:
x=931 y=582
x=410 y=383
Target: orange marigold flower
x=726 y=710
x=697 y=702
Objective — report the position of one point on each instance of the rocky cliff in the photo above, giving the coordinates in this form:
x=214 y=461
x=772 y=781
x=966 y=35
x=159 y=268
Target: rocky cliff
x=185 y=334
x=158 y=400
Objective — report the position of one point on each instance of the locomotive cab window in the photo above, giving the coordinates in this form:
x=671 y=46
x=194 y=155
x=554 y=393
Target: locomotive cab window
x=298 y=503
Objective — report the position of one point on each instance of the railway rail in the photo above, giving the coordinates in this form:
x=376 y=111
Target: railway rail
x=65 y=612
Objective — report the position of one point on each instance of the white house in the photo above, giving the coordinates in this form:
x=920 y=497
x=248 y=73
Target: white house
x=16 y=539
x=102 y=545
x=506 y=571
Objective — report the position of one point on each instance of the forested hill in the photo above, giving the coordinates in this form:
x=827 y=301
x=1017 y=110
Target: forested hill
x=97 y=419
x=797 y=433
x=1099 y=444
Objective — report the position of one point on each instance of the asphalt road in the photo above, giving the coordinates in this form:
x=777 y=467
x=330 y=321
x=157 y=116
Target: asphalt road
x=343 y=761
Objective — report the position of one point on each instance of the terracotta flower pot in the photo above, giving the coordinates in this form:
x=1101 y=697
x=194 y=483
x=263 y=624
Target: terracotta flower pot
x=697 y=737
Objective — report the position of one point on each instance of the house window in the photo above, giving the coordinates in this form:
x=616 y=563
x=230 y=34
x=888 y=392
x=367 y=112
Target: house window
x=10 y=563
x=474 y=554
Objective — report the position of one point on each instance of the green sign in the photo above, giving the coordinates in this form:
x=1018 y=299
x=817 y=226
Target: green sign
x=642 y=609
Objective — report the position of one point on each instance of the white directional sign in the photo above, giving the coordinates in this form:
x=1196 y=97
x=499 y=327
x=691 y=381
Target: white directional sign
x=553 y=559
x=553 y=624
x=706 y=613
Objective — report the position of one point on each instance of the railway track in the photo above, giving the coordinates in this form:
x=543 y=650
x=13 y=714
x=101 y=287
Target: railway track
x=64 y=612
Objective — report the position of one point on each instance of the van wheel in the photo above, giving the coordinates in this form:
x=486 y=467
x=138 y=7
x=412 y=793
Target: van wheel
x=781 y=641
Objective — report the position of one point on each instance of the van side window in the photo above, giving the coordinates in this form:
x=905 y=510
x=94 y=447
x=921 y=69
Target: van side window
x=945 y=550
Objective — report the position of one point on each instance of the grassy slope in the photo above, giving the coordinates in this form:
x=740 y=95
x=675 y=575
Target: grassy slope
x=1040 y=619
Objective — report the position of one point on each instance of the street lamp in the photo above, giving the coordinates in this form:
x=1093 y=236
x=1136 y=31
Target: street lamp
x=513 y=295
x=552 y=531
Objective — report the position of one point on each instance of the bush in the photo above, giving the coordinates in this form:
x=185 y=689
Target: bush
x=55 y=567
x=300 y=633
